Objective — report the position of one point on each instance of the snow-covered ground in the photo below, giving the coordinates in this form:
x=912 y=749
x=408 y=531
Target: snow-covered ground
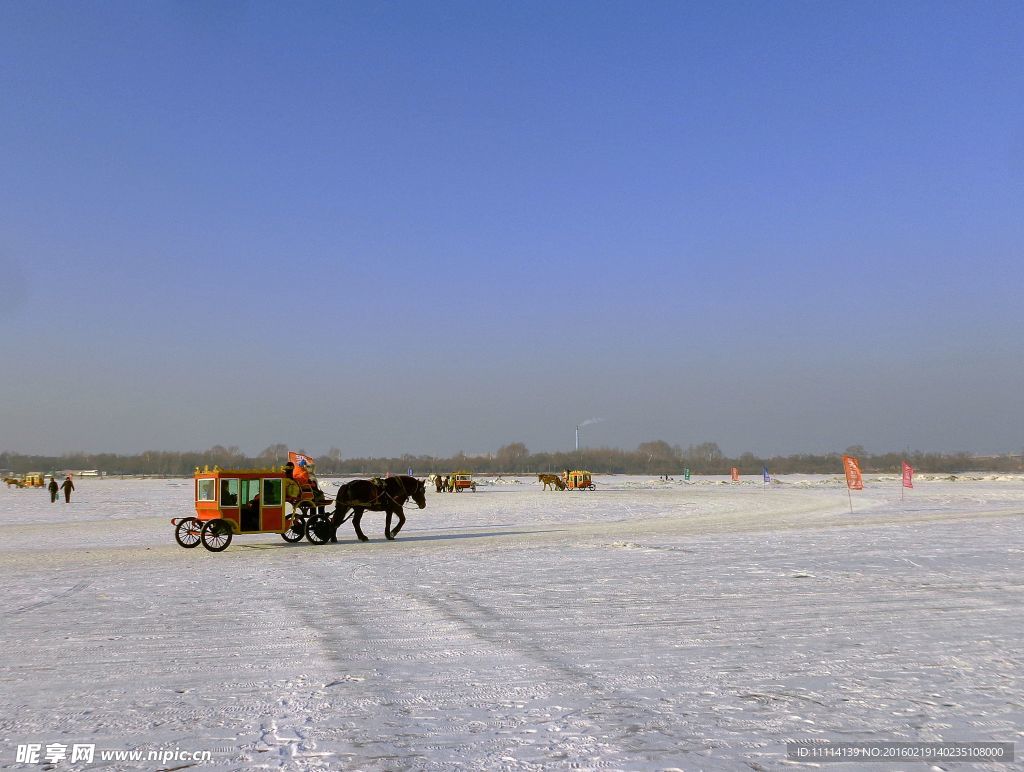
x=647 y=625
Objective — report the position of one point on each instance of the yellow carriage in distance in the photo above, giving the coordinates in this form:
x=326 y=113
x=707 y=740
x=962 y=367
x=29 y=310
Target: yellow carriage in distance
x=461 y=481
x=579 y=480
x=34 y=480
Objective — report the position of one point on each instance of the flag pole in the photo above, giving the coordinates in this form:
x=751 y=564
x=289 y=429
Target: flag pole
x=848 y=493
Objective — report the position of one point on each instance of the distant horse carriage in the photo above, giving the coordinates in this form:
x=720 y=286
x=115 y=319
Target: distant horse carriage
x=29 y=480
x=579 y=480
x=453 y=483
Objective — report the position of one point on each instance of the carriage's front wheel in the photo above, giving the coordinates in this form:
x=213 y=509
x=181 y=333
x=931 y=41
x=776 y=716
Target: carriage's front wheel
x=216 y=535
x=187 y=532
x=318 y=530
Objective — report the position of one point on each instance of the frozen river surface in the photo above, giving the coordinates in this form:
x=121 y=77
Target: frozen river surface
x=647 y=625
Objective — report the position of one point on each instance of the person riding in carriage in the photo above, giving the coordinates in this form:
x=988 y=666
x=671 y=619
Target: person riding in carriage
x=304 y=485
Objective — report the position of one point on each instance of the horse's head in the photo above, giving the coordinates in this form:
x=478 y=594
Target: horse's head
x=419 y=494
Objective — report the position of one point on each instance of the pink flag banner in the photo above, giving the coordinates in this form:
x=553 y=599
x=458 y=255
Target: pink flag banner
x=908 y=475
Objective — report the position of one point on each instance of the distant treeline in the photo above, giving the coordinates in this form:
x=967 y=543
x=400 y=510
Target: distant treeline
x=656 y=458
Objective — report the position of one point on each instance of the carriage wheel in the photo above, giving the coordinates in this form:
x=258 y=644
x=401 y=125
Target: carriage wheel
x=216 y=535
x=187 y=532
x=296 y=531
x=318 y=530
x=591 y=487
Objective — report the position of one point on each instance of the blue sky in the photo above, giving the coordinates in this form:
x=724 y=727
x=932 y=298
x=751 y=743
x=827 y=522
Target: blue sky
x=432 y=227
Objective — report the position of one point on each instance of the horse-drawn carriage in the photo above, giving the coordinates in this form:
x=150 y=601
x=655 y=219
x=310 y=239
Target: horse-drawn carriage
x=29 y=480
x=456 y=482
x=248 y=501
x=579 y=480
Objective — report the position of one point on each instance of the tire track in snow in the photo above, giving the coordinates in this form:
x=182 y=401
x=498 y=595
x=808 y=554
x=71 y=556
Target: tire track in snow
x=53 y=599
x=601 y=725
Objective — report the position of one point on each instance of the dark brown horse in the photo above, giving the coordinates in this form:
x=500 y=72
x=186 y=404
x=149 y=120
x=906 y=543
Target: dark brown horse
x=388 y=495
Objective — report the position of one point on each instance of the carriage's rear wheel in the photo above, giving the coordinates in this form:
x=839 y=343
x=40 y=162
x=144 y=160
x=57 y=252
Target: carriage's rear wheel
x=187 y=532
x=216 y=535
x=318 y=530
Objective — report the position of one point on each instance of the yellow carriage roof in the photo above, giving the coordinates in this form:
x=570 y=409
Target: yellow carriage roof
x=217 y=470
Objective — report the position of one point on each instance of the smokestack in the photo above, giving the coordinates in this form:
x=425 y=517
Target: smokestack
x=577 y=438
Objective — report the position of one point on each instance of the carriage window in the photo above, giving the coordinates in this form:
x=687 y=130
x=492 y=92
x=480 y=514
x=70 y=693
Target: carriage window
x=271 y=493
x=206 y=490
x=229 y=493
x=250 y=489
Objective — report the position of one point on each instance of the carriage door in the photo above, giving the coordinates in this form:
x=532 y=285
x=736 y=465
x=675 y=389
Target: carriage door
x=250 y=505
x=273 y=505
x=229 y=500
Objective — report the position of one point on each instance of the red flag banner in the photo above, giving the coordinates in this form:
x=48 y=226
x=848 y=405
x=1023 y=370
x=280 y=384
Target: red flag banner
x=735 y=474
x=303 y=466
x=295 y=458
x=908 y=475
x=854 y=481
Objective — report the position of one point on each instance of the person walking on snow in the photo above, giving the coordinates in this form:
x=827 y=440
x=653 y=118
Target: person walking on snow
x=67 y=486
x=53 y=489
